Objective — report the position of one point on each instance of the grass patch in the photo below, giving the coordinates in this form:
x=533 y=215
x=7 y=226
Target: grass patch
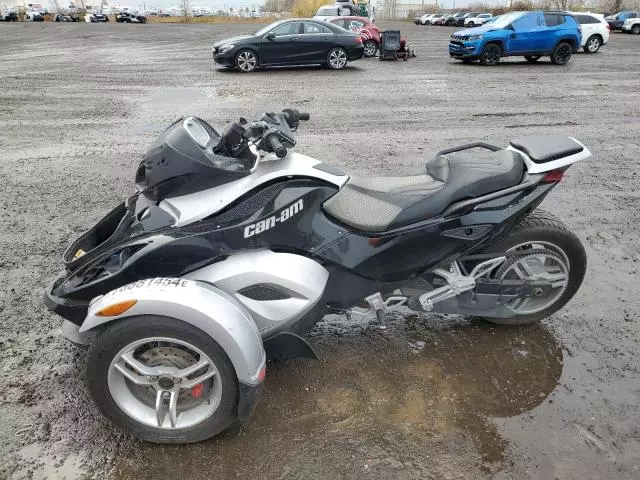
x=212 y=19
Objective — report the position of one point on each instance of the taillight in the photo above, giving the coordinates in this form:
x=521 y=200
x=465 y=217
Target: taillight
x=553 y=176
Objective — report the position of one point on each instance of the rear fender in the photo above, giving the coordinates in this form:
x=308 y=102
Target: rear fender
x=200 y=304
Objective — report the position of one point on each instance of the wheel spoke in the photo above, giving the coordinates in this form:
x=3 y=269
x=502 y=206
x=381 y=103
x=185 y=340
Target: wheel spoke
x=129 y=375
x=173 y=409
x=195 y=381
x=161 y=408
x=138 y=366
x=190 y=370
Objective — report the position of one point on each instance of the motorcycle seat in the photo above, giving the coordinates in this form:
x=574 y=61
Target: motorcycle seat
x=377 y=204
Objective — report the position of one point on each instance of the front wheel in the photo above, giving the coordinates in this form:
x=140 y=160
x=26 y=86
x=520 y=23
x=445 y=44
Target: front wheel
x=547 y=251
x=337 y=58
x=162 y=379
x=490 y=54
x=370 y=48
x=561 y=54
x=593 y=44
x=246 y=61
x=635 y=29
x=532 y=58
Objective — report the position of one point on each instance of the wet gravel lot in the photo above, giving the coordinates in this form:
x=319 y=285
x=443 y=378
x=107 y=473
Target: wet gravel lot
x=78 y=105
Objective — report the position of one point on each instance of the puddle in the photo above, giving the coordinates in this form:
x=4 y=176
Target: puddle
x=375 y=405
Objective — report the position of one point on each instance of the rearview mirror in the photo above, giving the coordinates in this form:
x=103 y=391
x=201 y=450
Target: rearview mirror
x=270 y=36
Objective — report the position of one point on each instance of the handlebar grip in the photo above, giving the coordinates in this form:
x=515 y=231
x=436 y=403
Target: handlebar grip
x=276 y=147
x=304 y=116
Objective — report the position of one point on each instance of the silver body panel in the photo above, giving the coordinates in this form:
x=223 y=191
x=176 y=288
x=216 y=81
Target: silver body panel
x=196 y=206
x=204 y=306
x=300 y=278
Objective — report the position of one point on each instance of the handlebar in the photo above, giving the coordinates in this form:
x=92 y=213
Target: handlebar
x=275 y=146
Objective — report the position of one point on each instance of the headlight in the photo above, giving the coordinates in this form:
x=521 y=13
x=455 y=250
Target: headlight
x=226 y=48
x=627 y=21
x=473 y=38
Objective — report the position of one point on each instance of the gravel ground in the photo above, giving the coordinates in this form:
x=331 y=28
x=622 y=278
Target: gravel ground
x=78 y=105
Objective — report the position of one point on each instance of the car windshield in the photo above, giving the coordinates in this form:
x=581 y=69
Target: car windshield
x=504 y=20
x=264 y=30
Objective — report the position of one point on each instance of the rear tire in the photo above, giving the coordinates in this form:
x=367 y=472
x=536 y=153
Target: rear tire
x=532 y=58
x=490 y=54
x=593 y=44
x=543 y=227
x=370 y=48
x=561 y=54
x=337 y=58
x=118 y=336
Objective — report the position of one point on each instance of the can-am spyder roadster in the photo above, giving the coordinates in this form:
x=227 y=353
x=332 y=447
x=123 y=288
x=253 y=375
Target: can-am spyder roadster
x=234 y=247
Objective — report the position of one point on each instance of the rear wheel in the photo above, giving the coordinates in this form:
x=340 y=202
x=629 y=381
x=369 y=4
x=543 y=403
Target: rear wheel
x=162 y=379
x=593 y=44
x=561 y=54
x=491 y=54
x=246 y=61
x=370 y=48
x=532 y=58
x=550 y=252
x=337 y=58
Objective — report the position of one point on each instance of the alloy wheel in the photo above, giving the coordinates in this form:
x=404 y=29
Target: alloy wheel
x=246 y=61
x=593 y=44
x=563 y=54
x=370 y=48
x=164 y=383
x=337 y=58
x=636 y=30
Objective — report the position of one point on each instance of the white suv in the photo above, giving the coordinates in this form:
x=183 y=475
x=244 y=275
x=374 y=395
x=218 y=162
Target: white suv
x=631 y=25
x=595 y=30
x=478 y=20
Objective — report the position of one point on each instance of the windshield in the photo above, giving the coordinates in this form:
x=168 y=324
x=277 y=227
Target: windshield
x=264 y=30
x=328 y=12
x=504 y=20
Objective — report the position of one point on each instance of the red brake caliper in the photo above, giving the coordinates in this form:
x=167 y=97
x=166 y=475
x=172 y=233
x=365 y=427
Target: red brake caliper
x=197 y=391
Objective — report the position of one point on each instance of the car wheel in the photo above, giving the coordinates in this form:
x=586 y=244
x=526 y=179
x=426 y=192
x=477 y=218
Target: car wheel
x=246 y=61
x=593 y=44
x=337 y=58
x=490 y=54
x=370 y=48
x=532 y=58
x=635 y=29
x=471 y=24
x=127 y=377
x=561 y=54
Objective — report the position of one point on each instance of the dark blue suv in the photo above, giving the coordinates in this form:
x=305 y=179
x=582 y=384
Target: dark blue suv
x=527 y=34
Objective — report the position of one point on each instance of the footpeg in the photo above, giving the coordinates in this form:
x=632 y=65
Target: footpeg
x=377 y=309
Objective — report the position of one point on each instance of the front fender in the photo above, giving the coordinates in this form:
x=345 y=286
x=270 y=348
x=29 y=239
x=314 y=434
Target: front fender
x=200 y=304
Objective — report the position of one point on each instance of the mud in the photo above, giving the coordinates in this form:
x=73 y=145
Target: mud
x=78 y=105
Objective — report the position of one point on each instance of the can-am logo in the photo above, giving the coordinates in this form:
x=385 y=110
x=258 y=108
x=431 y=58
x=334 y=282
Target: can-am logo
x=272 y=221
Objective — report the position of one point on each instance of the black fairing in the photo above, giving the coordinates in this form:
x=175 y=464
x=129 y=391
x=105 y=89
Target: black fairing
x=187 y=158
x=359 y=263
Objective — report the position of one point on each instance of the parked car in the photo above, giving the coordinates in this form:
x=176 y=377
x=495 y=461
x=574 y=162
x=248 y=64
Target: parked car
x=328 y=11
x=96 y=18
x=595 y=30
x=466 y=17
x=33 y=16
x=435 y=18
x=453 y=19
x=631 y=25
x=126 y=17
x=369 y=32
x=423 y=20
x=528 y=34
x=617 y=21
x=478 y=20
x=443 y=20
x=316 y=43
x=9 y=16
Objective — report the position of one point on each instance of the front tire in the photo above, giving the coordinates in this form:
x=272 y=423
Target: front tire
x=246 y=61
x=155 y=406
x=490 y=54
x=370 y=48
x=593 y=44
x=546 y=231
x=337 y=58
x=561 y=54
x=635 y=29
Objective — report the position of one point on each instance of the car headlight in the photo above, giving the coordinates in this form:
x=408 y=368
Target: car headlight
x=627 y=22
x=473 y=38
x=226 y=48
